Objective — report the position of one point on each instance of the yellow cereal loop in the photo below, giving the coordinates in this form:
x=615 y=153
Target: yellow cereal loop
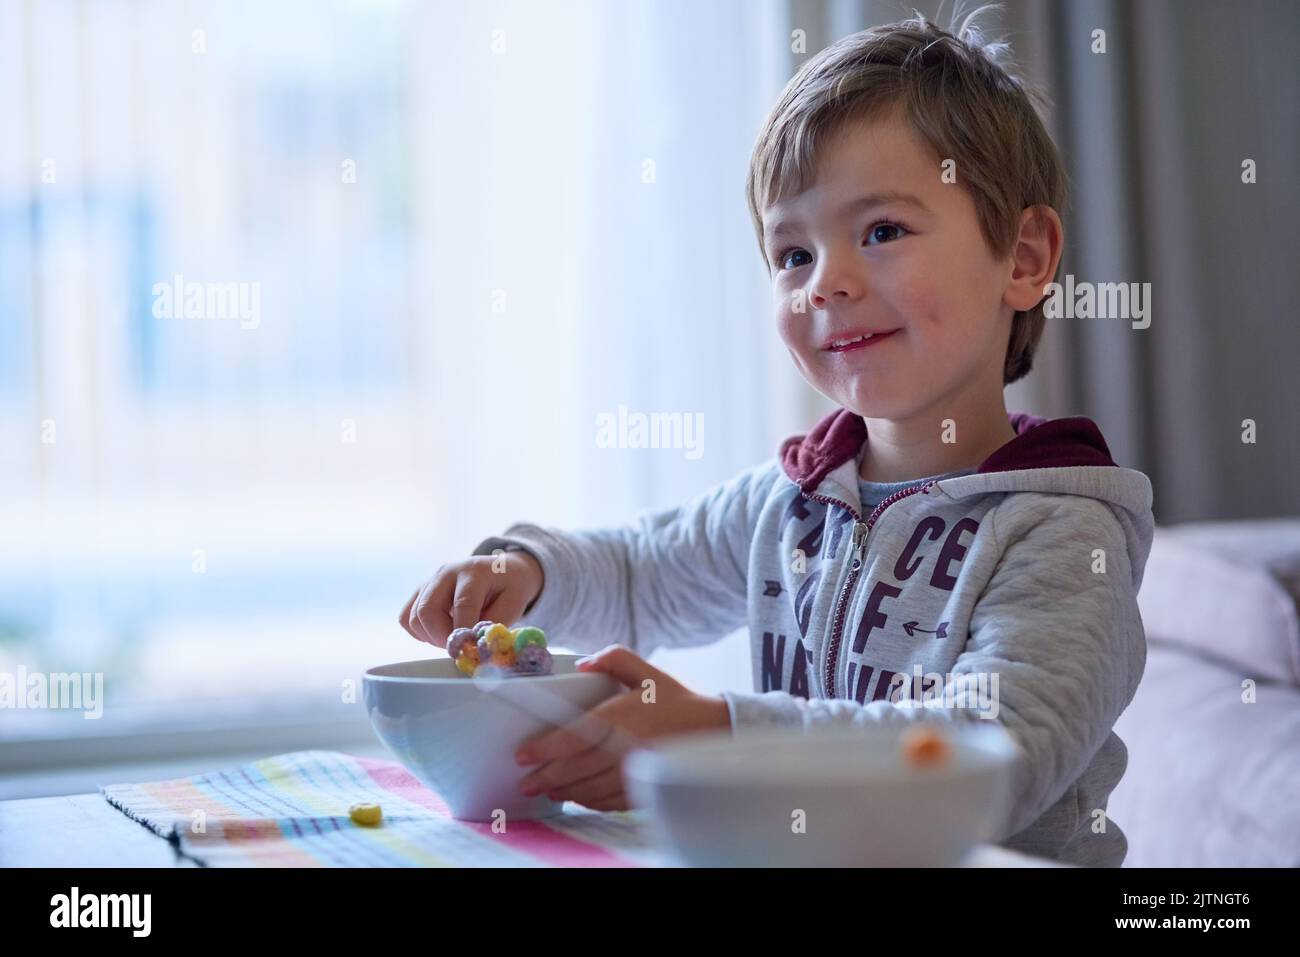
x=367 y=815
x=500 y=637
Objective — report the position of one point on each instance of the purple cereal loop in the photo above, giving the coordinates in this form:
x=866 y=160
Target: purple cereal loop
x=457 y=641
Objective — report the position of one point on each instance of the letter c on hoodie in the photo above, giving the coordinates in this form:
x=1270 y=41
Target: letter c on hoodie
x=930 y=527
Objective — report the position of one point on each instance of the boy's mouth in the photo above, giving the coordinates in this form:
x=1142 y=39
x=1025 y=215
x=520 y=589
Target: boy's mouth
x=859 y=340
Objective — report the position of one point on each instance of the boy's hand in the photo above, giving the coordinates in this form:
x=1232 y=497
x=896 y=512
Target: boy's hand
x=460 y=595
x=583 y=762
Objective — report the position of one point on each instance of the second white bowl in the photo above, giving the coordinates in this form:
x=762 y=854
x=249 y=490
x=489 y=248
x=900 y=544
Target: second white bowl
x=842 y=797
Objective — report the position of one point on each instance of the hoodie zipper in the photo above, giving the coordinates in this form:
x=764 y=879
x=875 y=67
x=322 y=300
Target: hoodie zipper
x=859 y=550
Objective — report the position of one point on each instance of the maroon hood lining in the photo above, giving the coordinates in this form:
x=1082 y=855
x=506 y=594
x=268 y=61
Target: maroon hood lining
x=1039 y=444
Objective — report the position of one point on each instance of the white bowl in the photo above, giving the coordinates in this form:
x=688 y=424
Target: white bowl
x=718 y=800
x=458 y=735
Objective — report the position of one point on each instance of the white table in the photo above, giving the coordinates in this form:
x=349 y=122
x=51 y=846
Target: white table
x=78 y=830
x=84 y=830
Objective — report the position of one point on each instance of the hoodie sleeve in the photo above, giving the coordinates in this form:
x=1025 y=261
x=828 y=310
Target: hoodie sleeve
x=1064 y=642
x=672 y=578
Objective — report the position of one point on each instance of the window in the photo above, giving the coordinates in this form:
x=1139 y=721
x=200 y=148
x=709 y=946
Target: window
x=302 y=300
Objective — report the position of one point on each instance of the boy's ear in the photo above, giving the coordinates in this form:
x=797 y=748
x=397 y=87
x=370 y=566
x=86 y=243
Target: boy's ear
x=1034 y=257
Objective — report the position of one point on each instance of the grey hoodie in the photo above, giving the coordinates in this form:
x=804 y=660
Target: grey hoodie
x=1009 y=594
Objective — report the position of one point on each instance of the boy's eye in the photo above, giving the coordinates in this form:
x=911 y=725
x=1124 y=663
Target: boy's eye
x=884 y=232
x=881 y=232
x=784 y=258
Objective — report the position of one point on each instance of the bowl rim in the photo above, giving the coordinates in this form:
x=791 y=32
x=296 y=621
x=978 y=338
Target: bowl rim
x=651 y=765
x=465 y=680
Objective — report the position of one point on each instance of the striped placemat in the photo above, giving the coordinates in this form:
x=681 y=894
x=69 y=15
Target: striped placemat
x=291 y=810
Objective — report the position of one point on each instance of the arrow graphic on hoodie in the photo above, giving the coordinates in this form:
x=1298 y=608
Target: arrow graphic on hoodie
x=911 y=627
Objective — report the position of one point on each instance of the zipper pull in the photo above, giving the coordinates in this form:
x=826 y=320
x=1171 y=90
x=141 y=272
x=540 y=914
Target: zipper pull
x=859 y=543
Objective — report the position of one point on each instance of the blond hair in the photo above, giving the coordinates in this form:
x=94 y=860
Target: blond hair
x=959 y=97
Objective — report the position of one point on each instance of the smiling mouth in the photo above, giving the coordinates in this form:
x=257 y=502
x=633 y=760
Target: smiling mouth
x=858 y=342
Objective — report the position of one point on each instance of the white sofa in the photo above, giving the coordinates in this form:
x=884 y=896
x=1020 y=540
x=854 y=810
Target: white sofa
x=1213 y=733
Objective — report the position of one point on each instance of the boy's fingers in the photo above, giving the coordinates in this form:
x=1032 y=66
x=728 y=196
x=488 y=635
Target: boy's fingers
x=413 y=615
x=599 y=787
x=430 y=611
x=559 y=774
x=467 y=600
x=404 y=619
x=586 y=732
x=625 y=666
x=505 y=608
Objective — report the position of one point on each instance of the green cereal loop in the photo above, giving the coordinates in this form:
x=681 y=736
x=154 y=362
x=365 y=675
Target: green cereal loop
x=529 y=636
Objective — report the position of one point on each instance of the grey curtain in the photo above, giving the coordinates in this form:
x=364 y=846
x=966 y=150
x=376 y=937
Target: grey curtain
x=1154 y=132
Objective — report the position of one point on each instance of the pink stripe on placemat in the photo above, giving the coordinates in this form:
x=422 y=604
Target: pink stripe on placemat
x=391 y=776
x=553 y=847
x=530 y=837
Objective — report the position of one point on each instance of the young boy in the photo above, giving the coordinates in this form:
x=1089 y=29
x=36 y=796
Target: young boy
x=919 y=548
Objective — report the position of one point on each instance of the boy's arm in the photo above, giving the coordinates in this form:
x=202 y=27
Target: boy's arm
x=1066 y=643
x=675 y=577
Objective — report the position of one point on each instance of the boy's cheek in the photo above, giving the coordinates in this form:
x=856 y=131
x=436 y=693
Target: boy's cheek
x=785 y=308
x=796 y=332
x=915 y=298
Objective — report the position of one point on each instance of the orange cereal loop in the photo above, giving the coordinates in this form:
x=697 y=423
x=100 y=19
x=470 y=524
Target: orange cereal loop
x=925 y=748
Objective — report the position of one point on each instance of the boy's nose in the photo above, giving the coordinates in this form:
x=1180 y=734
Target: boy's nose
x=826 y=297
x=834 y=283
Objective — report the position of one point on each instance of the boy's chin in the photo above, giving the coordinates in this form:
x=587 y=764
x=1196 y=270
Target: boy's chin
x=873 y=405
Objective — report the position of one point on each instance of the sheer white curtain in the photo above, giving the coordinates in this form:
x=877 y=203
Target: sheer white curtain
x=199 y=508
x=585 y=164
x=588 y=171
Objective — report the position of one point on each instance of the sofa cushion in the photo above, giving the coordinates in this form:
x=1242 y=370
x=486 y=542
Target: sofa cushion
x=1212 y=773
x=1228 y=591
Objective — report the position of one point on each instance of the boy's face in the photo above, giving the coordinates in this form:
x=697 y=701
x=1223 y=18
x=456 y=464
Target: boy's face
x=917 y=269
